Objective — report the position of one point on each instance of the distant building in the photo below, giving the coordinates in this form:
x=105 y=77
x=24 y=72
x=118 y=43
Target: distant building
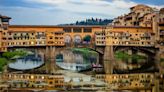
x=140 y=15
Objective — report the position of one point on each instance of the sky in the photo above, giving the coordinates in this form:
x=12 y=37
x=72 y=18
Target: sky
x=53 y=12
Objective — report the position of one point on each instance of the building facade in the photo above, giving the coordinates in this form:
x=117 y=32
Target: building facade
x=34 y=80
x=4 y=23
x=141 y=27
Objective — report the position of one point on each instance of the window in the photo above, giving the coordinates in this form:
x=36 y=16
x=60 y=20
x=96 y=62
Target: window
x=50 y=82
x=87 y=30
x=5 y=20
x=77 y=30
x=9 y=33
x=67 y=30
x=4 y=33
x=51 y=37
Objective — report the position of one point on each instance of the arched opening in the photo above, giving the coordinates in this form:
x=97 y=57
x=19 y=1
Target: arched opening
x=59 y=58
x=87 y=39
x=77 y=40
x=134 y=60
x=67 y=40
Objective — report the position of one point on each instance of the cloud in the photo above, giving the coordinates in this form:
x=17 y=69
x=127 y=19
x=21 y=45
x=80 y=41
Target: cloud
x=111 y=9
x=67 y=11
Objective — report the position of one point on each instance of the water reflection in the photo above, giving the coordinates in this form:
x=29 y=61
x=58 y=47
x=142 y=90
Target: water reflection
x=76 y=59
x=74 y=66
x=26 y=63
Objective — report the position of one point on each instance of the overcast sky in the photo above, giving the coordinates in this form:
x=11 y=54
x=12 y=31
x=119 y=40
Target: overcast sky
x=53 y=12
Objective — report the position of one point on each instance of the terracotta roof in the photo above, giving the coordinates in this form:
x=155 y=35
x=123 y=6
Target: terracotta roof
x=27 y=31
x=130 y=27
x=58 y=26
x=140 y=5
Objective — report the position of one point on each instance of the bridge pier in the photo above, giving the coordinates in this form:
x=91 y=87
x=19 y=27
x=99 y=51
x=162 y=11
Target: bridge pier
x=134 y=52
x=130 y=53
x=50 y=59
x=108 y=59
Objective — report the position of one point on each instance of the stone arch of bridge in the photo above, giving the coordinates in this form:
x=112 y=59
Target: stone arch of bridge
x=150 y=52
x=67 y=39
x=77 y=39
x=99 y=51
x=140 y=49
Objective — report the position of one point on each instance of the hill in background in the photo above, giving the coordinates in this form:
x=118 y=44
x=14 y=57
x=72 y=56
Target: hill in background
x=92 y=21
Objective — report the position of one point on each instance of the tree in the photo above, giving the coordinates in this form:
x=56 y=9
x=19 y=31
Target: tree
x=77 y=22
x=87 y=38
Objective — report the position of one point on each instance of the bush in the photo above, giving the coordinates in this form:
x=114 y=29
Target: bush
x=9 y=55
x=3 y=62
x=122 y=55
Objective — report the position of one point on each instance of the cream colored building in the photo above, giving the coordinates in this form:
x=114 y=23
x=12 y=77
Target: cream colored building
x=140 y=15
x=126 y=36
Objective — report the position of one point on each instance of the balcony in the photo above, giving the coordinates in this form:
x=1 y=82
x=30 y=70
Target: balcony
x=162 y=33
x=145 y=35
x=161 y=23
x=125 y=35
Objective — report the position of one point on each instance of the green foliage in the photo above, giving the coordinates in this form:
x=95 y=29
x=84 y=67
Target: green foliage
x=87 y=53
x=84 y=51
x=124 y=56
x=87 y=38
x=9 y=55
x=3 y=62
x=137 y=57
x=6 y=57
x=93 y=21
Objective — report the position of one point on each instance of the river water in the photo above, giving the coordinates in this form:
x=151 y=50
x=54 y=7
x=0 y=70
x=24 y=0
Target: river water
x=27 y=63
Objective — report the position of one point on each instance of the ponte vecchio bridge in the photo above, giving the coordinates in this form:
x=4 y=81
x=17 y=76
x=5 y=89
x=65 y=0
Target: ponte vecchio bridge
x=51 y=40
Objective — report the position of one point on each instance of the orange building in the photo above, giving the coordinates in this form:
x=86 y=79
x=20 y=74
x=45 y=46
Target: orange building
x=29 y=35
x=4 y=22
x=126 y=36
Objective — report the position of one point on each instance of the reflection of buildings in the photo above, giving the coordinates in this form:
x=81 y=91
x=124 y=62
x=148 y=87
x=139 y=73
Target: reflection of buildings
x=73 y=61
x=143 y=82
x=70 y=57
x=34 y=81
x=140 y=82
